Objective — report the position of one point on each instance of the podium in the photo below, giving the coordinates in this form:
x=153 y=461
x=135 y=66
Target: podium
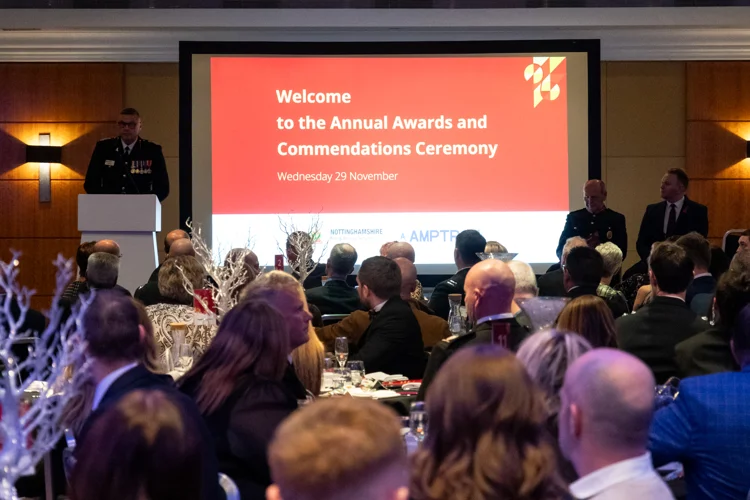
x=132 y=220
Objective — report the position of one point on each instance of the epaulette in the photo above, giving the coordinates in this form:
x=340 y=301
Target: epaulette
x=451 y=283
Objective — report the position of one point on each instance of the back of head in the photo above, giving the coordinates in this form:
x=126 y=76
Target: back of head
x=400 y=249
x=103 y=270
x=299 y=244
x=274 y=285
x=384 y=248
x=611 y=257
x=525 y=279
x=339 y=449
x=682 y=176
x=83 y=253
x=697 y=248
x=111 y=328
x=342 y=260
x=487 y=421
x=585 y=266
x=382 y=276
x=143 y=447
x=671 y=267
x=182 y=246
x=495 y=247
x=590 y=317
x=740 y=262
x=547 y=356
x=408 y=276
x=173 y=274
x=107 y=246
x=732 y=295
x=719 y=262
x=172 y=236
x=490 y=288
x=468 y=244
x=570 y=244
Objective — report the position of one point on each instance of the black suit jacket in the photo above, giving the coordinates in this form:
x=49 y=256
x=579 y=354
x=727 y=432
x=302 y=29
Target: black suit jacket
x=702 y=285
x=706 y=353
x=652 y=333
x=616 y=303
x=608 y=224
x=551 y=284
x=439 y=298
x=481 y=334
x=155 y=274
x=314 y=279
x=693 y=217
x=393 y=342
x=149 y=295
x=335 y=297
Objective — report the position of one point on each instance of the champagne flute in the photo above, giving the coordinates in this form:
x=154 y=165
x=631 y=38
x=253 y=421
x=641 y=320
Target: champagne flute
x=342 y=350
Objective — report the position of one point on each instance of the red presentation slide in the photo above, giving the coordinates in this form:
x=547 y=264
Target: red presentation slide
x=389 y=134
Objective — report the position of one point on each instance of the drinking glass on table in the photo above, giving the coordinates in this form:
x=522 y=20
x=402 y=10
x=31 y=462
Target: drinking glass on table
x=185 y=359
x=418 y=420
x=358 y=371
x=342 y=350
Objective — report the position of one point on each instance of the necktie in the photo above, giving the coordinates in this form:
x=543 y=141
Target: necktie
x=126 y=154
x=672 y=220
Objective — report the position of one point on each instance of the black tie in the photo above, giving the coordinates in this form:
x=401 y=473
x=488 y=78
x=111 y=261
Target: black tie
x=672 y=220
x=126 y=156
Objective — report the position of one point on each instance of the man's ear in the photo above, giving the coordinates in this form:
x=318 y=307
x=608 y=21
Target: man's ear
x=141 y=334
x=273 y=493
x=576 y=421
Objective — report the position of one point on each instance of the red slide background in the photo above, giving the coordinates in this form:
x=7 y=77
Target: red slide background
x=528 y=173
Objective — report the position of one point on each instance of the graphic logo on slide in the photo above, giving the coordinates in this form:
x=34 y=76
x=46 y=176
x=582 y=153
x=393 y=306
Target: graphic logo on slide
x=429 y=235
x=540 y=70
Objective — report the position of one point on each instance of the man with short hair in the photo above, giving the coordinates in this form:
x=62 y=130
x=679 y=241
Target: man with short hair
x=102 y=271
x=596 y=223
x=652 y=333
x=551 y=284
x=706 y=428
x=582 y=275
x=700 y=293
x=336 y=296
x=392 y=342
x=612 y=259
x=606 y=408
x=468 y=244
x=108 y=246
x=127 y=164
x=402 y=249
x=526 y=288
x=339 y=449
x=744 y=241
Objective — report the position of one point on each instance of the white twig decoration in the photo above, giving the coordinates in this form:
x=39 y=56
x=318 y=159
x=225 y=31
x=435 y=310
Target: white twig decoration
x=302 y=242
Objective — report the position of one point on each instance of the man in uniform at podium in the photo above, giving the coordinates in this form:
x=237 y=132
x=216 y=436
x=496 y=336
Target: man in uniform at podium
x=596 y=223
x=127 y=164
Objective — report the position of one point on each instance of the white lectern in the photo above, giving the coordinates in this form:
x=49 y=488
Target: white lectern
x=132 y=220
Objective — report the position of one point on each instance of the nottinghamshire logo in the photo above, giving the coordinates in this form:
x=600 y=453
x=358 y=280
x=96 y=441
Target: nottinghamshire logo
x=540 y=73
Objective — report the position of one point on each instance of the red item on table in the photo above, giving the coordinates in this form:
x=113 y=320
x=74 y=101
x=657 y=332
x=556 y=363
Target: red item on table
x=278 y=262
x=207 y=297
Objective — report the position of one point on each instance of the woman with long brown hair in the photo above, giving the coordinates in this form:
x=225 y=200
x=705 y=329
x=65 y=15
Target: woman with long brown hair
x=590 y=317
x=487 y=438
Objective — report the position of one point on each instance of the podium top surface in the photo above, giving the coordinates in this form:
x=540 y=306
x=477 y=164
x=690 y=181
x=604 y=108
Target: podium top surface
x=119 y=213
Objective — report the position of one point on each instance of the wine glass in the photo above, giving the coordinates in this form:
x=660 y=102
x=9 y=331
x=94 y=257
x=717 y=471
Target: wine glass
x=342 y=350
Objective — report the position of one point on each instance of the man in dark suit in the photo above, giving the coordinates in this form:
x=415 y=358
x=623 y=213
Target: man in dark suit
x=299 y=252
x=653 y=332
x=336 y=296
x=675 y=215
x=701 y=290
x=468 y=244
x=596 y=223
x=490 y=288
x=114 y=347
x=583 y=271
x=393 y=341
x=551 y=283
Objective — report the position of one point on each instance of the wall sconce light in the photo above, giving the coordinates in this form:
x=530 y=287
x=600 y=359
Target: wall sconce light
x=44 y=154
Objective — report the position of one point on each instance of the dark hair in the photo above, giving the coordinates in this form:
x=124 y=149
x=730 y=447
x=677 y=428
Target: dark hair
x=342 y=259
x=746 y=232
x=382 y=276
x=697 y=248
x=681 y=175
x=719 y=262
x=732 y=294
x=671 y=266
x=83 y=253
x=585 y=266
x=110 y=326
x=468 y=244
x=130 y=112
x=143 y=447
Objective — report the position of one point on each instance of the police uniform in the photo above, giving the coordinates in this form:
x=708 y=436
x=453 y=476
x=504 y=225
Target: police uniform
x=439 y=298
x=143 y=171
x=608 y=224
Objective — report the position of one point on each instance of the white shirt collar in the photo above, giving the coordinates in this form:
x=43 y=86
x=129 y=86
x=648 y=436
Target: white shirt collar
x=701 y=275
x=495 y=317
x=103 y=386
x=671 y=296
x=378 y=307
x=598 y=481
x=125 y=146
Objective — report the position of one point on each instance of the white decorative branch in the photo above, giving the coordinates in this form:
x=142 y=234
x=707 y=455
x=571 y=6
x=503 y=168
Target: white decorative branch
x=302 y=242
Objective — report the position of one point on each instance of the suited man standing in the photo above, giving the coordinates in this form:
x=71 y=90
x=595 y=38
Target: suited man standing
x=675 y=215
x=393 y=341
x=336 y=296
x=596 y=223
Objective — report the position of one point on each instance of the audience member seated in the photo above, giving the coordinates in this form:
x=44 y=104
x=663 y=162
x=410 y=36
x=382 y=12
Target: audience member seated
x=706 y=428
x=582 y=274
x=551 y=283
x=301 y=242
x=171 y=237
x=700 y=293
x=250 y=266
x=590 y=317
x=238 y=385
x=490 y=287
x=495 y=247
x=102 y=272
x=526 y=288
x=71 y=292
x=652 y=333
x=710 y=351
x=114 y=347
x=402 y=249
x=719 y=262
x=144 y=446
x=177 y=306
x=607 y=404
x=149 y=293
x=392 y=343
x=546 y=356
x=108 y=246
x=612 y=258
x=336 y=296
x=339 y=449
x=468 y=244
x=487 y=436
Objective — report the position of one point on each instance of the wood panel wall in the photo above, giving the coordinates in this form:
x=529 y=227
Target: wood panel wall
x=77 y=104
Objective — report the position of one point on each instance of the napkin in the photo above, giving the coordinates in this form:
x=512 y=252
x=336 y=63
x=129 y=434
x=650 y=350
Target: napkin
x=359 y=393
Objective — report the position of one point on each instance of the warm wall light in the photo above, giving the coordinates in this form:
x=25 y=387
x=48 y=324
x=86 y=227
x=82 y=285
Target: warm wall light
x=44 y=154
